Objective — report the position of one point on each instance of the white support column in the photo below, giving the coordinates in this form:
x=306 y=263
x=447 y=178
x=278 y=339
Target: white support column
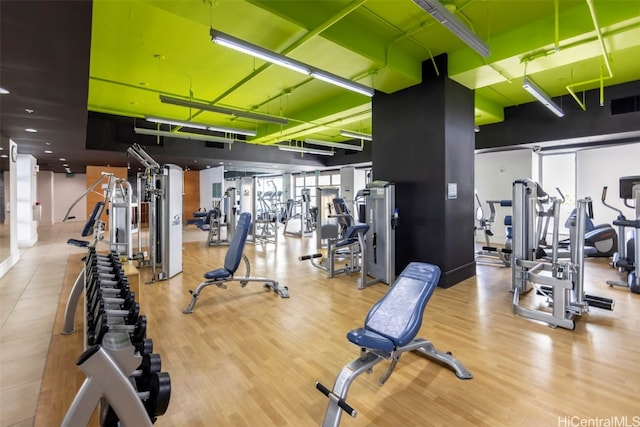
x=26 y=193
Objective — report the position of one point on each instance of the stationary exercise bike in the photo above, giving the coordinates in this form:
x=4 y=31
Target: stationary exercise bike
x=626 y=259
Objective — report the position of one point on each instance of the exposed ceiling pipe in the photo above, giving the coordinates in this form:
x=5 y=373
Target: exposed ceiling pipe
x=605 y=55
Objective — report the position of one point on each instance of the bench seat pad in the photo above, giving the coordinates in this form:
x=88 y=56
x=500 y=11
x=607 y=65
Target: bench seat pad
x=395 y=319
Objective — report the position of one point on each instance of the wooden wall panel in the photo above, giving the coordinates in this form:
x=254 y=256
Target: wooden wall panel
x=191 y=200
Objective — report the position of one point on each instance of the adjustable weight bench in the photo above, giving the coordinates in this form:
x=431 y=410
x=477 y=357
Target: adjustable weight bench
x=226 y=273
x=389 y=331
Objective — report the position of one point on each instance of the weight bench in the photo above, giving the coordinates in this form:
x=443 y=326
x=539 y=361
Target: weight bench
x=221 y=276
x=389 y=331
x=89 y=226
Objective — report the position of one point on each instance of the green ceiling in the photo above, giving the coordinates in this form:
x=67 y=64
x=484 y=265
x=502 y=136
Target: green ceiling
x=141 y=49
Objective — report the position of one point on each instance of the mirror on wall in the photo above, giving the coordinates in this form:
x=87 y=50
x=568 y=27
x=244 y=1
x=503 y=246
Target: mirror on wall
x=5 y=232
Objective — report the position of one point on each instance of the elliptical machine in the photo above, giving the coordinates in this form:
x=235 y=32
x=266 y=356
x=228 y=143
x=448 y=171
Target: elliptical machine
x=627 y=259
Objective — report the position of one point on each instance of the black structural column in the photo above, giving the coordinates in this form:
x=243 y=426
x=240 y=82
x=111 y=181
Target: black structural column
x=424 y=143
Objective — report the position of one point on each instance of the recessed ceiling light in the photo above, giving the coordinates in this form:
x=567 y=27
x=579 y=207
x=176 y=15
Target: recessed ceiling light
x=29 y=110
x=65 y=165
x=1 y=148
x=32 y=130
x=4 y=156
x=221 y=163
x=48 y=151
x=62 y=159
x=47 y=143
x=208 y=166
x=3 y=91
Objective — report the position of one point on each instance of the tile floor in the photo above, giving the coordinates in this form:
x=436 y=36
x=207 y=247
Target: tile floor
x=29 y=295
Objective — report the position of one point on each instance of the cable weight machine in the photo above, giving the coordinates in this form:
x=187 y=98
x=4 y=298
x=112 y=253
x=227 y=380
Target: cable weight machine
x=162 y=187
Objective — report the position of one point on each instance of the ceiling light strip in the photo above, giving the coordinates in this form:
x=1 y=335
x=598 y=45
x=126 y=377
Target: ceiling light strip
x=183 y=135
x=237 y=131
x=541 y=96
x=356 y=135
x=334 y=144
x=223 y=110
x=453 y=24
x=275 y=58
x=305 y=150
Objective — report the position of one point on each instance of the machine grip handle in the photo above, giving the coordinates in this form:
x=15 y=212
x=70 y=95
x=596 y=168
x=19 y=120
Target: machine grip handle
x=306 y=257
x=341 y=403
x=590 y=209
x=604 y=193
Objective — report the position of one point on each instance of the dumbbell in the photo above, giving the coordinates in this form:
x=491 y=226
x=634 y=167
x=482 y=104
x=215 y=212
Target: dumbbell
x=122 y=300
x=151 y=364
x=155 y=400
x=129 y=315
x=137 y=332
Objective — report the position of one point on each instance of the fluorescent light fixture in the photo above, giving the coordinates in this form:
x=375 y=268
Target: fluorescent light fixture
x=233 y=130
x=250 y=49
x=275 y=58
x=176 y=123
x=182 y=135
x=31 y=130
x=201 y=126
x=224 y=110
x=356 y=135
x=305 y=150
x=541 y=96
x=339 y=81
x=334 y=144
x=4 y=91
x=453 y=24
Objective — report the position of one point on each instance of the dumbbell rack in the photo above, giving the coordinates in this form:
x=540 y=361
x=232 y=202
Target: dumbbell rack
x=124 y=376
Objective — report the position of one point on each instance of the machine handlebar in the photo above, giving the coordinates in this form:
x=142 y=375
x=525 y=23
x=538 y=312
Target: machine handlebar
x=604 y=197
x=341 y=403
x=306 y=257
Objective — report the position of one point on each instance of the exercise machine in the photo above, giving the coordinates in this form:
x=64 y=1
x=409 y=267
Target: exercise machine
x=327 y=227
x=560 y=281
x=599 y=240
x=382 y=218
x=226 y=273
x=350 y=245
x=299 y=211
x=266 y=214
x=389 y=331
x=490 y=254
x=627 y=259
x=223 y=218
x=162 y=187
x=122 y=222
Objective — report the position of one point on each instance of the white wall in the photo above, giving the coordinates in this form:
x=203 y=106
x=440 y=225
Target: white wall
x=45 y=196
x=67 y=189
x=207 y=178
x=494 y=176
x=601 y=167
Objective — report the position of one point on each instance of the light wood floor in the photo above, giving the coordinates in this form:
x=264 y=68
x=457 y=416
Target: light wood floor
x=246 y=357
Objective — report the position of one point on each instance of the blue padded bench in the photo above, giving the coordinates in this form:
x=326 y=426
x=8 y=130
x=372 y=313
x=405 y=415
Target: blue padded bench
x=390 y=330
x=224 y=274
x=89 y=226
